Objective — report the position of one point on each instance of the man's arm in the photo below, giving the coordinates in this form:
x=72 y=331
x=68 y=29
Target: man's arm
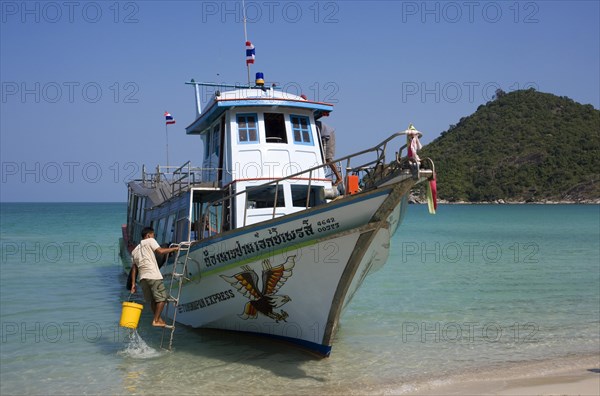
x=133 y=277
x=161 y=250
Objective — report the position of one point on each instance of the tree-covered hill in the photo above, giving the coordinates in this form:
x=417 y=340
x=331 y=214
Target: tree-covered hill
x=522 y=146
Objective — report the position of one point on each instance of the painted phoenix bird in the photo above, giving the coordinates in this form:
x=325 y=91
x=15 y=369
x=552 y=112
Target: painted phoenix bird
x=264 y=301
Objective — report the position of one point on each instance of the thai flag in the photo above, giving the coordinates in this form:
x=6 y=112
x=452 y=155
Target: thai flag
x=169 y=118
x=249 y=53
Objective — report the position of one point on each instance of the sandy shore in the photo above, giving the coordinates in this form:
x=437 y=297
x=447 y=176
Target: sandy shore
x=573 y=376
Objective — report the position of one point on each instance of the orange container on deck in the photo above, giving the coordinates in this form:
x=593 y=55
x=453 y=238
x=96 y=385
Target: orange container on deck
x=352 y=184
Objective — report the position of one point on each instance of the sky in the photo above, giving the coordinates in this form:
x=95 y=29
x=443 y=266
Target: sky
x=84 y=85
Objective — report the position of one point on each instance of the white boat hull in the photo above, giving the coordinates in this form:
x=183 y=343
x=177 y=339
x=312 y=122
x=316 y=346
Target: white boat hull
x=306 y=295
x=313 y=261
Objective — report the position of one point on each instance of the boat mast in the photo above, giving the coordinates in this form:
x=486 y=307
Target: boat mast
x=245 y=37
x=167 y=134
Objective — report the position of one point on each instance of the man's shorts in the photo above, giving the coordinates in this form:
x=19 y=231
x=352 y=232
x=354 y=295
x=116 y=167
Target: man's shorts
x=154 y=290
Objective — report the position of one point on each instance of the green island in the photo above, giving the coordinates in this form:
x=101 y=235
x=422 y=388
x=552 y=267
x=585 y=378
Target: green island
x=522 y=147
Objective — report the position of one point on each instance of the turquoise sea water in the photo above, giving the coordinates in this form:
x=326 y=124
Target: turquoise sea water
x=473 y=288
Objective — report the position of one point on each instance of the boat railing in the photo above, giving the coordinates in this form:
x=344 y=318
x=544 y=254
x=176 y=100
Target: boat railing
x=179 y=178
x=186 y=176
x=373 y=169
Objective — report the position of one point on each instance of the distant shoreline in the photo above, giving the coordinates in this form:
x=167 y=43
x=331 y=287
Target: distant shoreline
x=597 y=202
x=414 y=200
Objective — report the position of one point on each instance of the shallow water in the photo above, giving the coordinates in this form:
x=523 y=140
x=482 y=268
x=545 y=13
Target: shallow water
x=470 y=289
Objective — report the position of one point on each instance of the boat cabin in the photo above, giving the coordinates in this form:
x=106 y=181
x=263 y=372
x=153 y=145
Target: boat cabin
x=250 y=136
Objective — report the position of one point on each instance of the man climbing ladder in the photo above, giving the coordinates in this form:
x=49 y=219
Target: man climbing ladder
x=144 y=264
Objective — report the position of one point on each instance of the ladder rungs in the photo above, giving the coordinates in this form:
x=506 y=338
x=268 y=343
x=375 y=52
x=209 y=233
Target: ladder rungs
x=180 y=260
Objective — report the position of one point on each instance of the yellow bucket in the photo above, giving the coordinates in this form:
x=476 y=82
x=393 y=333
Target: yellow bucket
x=130 y=316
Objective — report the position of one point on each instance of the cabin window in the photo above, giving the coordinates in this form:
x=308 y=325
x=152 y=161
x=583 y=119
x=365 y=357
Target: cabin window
x=275 y=128
x=301 y=130
x=140 y=213
x=170 y=228
x=181 y=228
x=207 y=219
x=160 y=231
x=216 y=141
x=265 y=197
x=299 y=192
x=138 y=208
x=212 y=221
x=247 y=128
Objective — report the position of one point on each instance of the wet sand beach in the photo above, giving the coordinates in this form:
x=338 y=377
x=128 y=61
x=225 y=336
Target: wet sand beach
x=567 y=376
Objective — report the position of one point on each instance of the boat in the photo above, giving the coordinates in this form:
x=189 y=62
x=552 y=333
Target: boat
x=271 y=243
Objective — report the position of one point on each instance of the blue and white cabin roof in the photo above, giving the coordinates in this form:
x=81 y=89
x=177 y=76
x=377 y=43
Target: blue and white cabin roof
x=249 y=97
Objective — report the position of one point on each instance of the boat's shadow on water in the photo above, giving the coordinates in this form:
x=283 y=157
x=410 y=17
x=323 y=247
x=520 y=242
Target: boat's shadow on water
x=281 y=358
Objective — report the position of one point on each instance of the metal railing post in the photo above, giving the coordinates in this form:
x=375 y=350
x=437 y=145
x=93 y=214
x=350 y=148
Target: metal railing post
x=275 y=202
x=308 y=188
